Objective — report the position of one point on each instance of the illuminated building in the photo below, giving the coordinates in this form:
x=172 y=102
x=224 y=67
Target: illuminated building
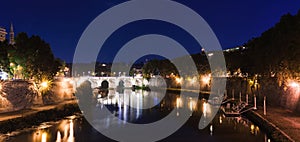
x=3 y=34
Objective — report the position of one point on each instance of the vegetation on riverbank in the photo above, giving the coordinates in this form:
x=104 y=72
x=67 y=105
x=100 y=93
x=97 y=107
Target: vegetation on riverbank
x=29 y=58
x=268 y=64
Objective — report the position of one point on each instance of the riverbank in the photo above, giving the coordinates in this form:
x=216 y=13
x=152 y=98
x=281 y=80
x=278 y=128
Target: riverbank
x=270 y=125
x=279 y=124
x=28 y=118
x=178 y=90
x=287 y=121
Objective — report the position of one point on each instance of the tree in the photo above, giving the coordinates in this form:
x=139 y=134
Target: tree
x=4 y=60
x=35 y=57
x=277 y=50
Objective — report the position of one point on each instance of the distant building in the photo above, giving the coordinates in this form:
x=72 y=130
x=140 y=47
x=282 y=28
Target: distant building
x=11 y=35
x=3 y=34
x=239 y=48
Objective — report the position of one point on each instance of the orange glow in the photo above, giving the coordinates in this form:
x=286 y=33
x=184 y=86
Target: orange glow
x=178 y=80
x=206 y=79
x=71 y=133
x=252 y=128
x=204 y=109
x=44 y=84
x=294 y=84
x=178 y=102
x=44 y=137
x=192 y=105
x=58 y=138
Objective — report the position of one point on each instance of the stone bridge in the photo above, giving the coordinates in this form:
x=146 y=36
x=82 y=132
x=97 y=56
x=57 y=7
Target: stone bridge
x=113 y=82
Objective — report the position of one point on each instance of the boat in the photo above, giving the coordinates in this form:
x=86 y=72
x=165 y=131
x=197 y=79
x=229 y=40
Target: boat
x=233 y=108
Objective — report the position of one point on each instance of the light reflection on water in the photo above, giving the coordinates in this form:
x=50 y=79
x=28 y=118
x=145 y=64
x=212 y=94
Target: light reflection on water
x=58 y=137
x=44 y=133
x=128 y=107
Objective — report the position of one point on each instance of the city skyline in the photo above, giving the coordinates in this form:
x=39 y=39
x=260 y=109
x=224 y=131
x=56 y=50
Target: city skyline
x=149 y=70
x=62 y=23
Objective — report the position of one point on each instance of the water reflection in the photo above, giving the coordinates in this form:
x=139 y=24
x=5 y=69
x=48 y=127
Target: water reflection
x=128 y=107
x=44 y=137
x=40 y=136
x=192 y=104
x=58 y=138
x=178 y=102
x=43 y=132
x=71 y=134
x=220 y=119
x=204 y=109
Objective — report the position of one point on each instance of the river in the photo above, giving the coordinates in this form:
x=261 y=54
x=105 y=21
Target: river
x=77 y=129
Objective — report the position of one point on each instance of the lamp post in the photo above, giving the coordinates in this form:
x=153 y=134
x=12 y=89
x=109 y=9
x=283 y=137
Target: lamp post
x=255 y=102
x=12 y=65
x=240 y=96
x=247 y=99
x=265 y=106
x=233 y=94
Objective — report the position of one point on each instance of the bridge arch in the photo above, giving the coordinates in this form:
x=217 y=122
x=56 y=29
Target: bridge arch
x=111 y=82
x=105 y=84
x=121 y=84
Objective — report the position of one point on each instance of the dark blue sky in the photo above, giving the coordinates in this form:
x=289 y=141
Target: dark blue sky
x=61 y=22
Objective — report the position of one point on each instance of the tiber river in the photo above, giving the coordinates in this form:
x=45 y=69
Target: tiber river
x=77 y=129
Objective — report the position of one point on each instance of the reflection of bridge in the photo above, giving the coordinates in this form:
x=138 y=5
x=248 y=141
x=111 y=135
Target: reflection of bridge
x=112 y=81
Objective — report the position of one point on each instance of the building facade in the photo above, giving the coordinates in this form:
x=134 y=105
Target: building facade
x=3 y=34
x=11 y=35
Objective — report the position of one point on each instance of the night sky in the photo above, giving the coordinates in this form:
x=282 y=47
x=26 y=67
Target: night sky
x=61 y=22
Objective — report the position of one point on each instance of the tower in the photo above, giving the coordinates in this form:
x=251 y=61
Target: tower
x=11 y=35
x=2 y=34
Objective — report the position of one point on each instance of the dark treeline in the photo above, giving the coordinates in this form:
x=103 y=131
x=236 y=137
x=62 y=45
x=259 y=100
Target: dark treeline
x=276 y=53
x=270 y=60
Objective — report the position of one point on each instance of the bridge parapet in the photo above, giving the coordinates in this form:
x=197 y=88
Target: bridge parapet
x=127 y=81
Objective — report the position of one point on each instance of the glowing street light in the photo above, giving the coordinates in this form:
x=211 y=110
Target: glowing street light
x=178 y=80
x=12 y=64
x=44 y=84
x=294 y=84
x=206 y=79
x=193 y=80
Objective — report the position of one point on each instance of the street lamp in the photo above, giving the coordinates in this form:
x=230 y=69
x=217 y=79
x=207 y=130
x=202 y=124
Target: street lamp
x=44 y=85
x=178 y=80
x=205 y=79
x=295 y=87
x=12 y=65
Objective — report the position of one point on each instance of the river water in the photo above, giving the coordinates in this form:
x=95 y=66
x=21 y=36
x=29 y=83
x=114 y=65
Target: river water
x=77 y=129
